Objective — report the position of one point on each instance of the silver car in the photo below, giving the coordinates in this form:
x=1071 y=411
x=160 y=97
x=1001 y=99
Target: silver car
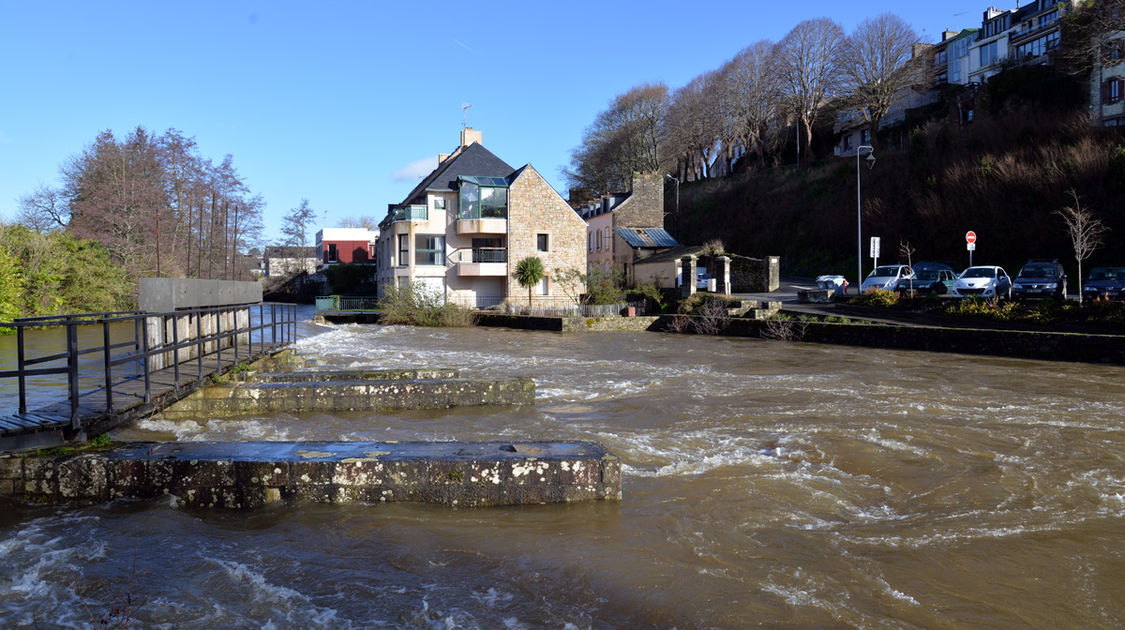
x=983 y=281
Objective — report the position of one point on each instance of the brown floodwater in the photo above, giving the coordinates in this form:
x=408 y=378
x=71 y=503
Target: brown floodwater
x=765 y=484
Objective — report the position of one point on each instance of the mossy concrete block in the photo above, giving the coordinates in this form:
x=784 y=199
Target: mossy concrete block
x=250 y=474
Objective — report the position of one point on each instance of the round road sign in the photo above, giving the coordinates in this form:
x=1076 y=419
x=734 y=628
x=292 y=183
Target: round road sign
x=970 y=237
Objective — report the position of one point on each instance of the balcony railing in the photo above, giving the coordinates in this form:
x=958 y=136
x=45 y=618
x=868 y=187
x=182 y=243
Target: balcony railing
x=410 y=213
x=488 y=255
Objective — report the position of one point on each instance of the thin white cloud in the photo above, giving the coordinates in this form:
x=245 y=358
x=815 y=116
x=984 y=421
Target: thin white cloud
x=4 y=139
x=415 y=170
x=463 y=45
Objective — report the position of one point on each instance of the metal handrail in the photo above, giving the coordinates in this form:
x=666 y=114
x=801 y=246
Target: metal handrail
x=282 y=319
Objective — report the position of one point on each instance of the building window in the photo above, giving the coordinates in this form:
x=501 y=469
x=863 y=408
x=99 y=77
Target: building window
x=988 y=55
x=865 y=136
x=541 y=288
x=599 y=240
x=589 y=241
x=955 y=72
x=429 y=249
x=1111 y=91
x=847 y=142
x=541 y=242
x=940 y=58
x=403 y=250
x=333 y=255
x=439 y=203
x=1049 y=18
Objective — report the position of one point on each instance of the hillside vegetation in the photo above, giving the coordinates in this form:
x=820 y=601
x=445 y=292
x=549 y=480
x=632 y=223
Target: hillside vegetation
x=1004 y=175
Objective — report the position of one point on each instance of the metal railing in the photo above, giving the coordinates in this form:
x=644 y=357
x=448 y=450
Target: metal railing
x=410 y=213
x=345 y=303
x=280 y=329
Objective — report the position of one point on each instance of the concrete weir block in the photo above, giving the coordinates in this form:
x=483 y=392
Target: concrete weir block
x=239 y=475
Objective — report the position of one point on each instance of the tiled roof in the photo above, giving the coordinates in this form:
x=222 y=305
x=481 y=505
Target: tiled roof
x=471 y=160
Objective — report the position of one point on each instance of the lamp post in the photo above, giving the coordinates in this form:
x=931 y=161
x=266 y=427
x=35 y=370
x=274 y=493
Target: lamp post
x=677 y=215
x=859 y=212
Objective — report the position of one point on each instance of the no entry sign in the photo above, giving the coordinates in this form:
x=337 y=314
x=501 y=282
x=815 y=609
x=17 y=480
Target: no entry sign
x=970 y=237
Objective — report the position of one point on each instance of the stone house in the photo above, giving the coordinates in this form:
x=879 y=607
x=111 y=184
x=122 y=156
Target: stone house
x=460 y=233
x=626 y=228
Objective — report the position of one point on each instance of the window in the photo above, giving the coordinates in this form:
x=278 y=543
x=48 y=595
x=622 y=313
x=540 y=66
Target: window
x=1049 y=18
x=403 y=250
x=608 y=238
x=955 y=72
x=541 y=242
x=429 y=249
x=483 y=198
x=589 y=241
x=333 y=255
x=848 y=142
x=961 y=48
x=439 y=203
x=988 y=55
x=1111 y=91
x=599 y=240
x=940 y=58
x=541 y=288
x=865 y=136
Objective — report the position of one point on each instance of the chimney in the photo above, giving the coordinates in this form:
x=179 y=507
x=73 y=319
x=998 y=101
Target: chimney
x=469 y=136
x=947 y=35
x=441 y=157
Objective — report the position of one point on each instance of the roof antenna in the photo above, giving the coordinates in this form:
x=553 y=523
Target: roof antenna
x=464 y=113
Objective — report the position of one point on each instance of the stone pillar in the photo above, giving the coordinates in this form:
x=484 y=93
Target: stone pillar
x=773 y=273
x=722 y=275
x=687 y=276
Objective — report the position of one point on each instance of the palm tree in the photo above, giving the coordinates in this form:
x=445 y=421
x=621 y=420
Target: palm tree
x=529 y=272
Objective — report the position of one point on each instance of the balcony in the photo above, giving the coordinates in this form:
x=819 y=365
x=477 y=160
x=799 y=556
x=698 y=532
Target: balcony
x=482 y=262
x=410 y=213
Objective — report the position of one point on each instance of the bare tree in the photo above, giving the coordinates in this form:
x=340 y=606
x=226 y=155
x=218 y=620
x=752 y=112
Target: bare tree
x=907 y=251
x=806 y=69
x=44 y=209
x=367 y=223
x=623 y=139
x=694 y=125
x=750 y=85
x=876 y=63
x=1086 y=232
x=295 y=225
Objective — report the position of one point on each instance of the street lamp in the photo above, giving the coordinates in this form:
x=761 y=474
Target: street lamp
x=677 y=217
x=858 y=212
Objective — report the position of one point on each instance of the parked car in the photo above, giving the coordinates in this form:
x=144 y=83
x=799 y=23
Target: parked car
x=983 y=281
x=1106 y=282
x=925 y=282
x=885 y=277
x=1040 y=279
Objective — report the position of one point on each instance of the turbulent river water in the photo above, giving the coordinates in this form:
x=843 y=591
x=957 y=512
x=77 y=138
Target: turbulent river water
x=765 y=484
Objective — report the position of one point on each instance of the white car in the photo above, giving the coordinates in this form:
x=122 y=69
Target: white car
x=885 y=277
x=984 y=281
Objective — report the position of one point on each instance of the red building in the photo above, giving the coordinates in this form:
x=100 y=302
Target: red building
x=346 y=245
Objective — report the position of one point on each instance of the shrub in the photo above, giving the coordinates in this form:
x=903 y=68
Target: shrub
x=414 y=306
x=881 y=298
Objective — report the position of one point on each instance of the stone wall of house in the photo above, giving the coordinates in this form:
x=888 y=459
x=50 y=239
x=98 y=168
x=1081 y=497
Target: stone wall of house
x=645 y=206
x=535 y=208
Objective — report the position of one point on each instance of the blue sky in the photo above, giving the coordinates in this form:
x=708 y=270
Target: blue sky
x=335 y=101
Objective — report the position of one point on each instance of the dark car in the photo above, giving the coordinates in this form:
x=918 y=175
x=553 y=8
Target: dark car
x=1105 y=282
x=1040 y=279
x=936 y=281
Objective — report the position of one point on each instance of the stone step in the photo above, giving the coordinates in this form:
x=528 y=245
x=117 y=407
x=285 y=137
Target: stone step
x=358 y=374
x=252 y=474
x=329 y=396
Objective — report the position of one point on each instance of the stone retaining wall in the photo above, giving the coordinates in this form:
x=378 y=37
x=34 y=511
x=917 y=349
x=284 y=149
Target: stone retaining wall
x=251 y=474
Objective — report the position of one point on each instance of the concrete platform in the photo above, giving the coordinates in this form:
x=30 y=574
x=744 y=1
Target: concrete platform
x=241 y=475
